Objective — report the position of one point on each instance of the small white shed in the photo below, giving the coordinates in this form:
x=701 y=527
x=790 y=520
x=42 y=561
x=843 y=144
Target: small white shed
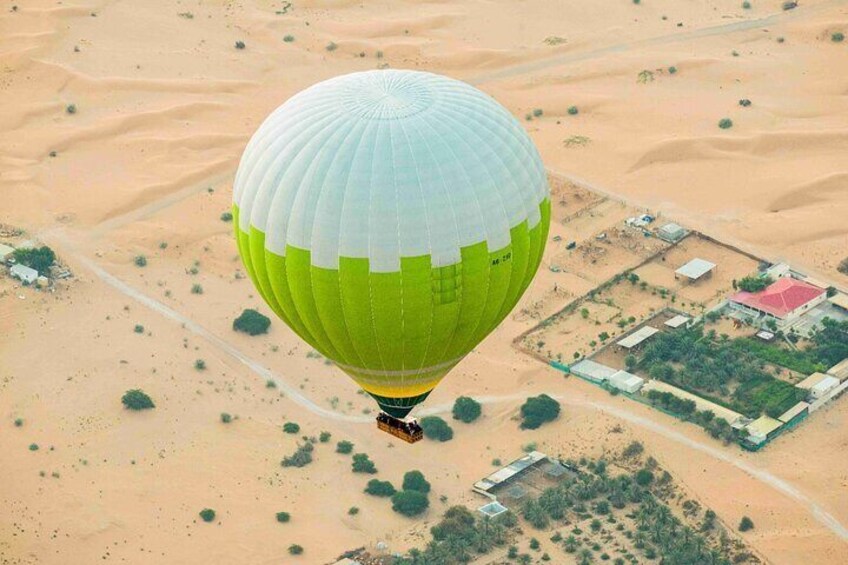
x=626 y=382
x=24 y=273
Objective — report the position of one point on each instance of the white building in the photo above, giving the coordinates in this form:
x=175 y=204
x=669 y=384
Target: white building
x=695 y=269
x=595 y=372
x=638 y=337
x=5 y=252
x=818 y=385
x=24 y=273
x=626 y=382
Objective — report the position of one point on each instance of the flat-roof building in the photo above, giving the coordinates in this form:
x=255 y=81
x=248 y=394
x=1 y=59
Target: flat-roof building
x=592 y=370
x=840 y=370
x=677 y=321
x=695 y=269
x=638 y=337
x=509 y=472
x=800 y=409
x=762 y=429
x=25 y=274
x=626 y=382
x=783 y=301
x=840 y=301
x=6 y=252
x=671 y=232
x=818 y=384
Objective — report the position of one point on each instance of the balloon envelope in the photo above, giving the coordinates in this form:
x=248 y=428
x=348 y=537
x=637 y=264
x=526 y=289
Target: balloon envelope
x=392 y=219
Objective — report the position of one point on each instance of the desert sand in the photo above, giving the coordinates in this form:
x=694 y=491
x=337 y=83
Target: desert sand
x=163 y=106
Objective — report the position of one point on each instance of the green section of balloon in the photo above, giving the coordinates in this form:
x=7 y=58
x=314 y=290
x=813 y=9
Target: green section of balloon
x=392 y=219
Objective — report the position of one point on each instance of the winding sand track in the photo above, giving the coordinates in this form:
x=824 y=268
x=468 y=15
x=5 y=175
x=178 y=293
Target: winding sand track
x=765 y=477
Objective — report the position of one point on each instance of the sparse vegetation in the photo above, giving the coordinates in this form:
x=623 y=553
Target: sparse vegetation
x=196 y=289
x=33 y=447
x=746 y=524
x=410 y=502
x=538 y=410
x=207 y=515
x=353 y=511
x=288 y=38
x=377 y=487
x=295 y=549
x=344 y=447
x=139 y=329
x=226 y=418
x=754 y=283
x=71 y=108
x=837 y=37
x=744 y=102
x=283 y=517
x=414 y=480
x=324 y=437
x=240 y=45
x=301 y=457
x=725 y=123
x=140 y=261
x=200 y=365
x=331 y=47
x=226 y=216
x=746 y=5
x=436 y=428
x=252 y=322
x=362 y=464
x=137 y=399
x=291 y=428
x=19 y=422
x=573 y=111
x=466 y=409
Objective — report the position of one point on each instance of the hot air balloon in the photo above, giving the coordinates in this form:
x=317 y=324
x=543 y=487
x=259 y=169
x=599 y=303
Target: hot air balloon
x=392 y=219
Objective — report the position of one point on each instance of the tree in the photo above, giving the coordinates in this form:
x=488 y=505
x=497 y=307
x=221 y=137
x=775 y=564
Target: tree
x=466 y=409
x=344 y=447
x=754 y=283
x=630 y=362
x=207 y=514
x=377 y=487
x=644 y=477
x=538 y=410
x=251 y=322
x=436 y=428
x=300 y=458
x=414 y=480
x=362 y=464
x=136 y=399
x=38 y=258
x=746 y=524
x=410 y=502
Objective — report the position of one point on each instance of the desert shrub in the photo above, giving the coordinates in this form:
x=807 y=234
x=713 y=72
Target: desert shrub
x=744 y=102
x=672 y=70
x=538 y=410
x=196 y=289
x=725 y=123
x=226 y=418
x=414 y=480
x=377 y=487
x=746 y=5
x=140 y=261
x=38 y=258
x=288 y=38
x=410 y=502
x=283 y=517
x=71 y=108
x=139 y=329
x=362 y=464
x=436 y=428
x=240 y=45
x=270 y=383
x=466 y=409
x=353 y=511
x=843 y=266
x=207 y=514
x=573 y=111
x=838 y=37
x=754 y=283
x=331 y=47
x=200 y=364
x=324 y=437
x=251 y=322
x=344 y=447
x=19 y=422
x=635 y=448
x=746 y=524
x=137 y=399
x=295 y=549
x=33 y=447
x=291 y=427
x=300 y=458
x=789 y=5
x=226 y=216
x=644 y=477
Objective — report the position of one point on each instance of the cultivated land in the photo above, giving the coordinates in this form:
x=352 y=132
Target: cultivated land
x=164 y=106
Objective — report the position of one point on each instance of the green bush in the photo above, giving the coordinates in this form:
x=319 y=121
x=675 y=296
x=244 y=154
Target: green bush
x=252 y=322
x=288 y=38
x=19 y=422
x=283 y=517
x=226 y=418
x=838 y=37
x=240 y=45
x=295 y=549
x=746 y=524
x=38 y=258
x=377 y=487
x=344 y=447
x=414 y=480
x=725 y=123
x=226 y=216
x=324 y=437
x=137 y=399
x=466 y=409
x=754 y=283
x=207 y=514
x=139 y=329
x=436 y=428
x=410 y=502
x=352 y=511
x=196 y=289
x=140 y=261
x=71 y=108
x=644 y=477
x=291 y=428
x=200 y=364
x=573 y=111
x=33 y=447
x=362 y=464
x=300 y=458
x=538 y=410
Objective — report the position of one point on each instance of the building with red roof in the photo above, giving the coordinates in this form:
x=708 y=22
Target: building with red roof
x=783 y=301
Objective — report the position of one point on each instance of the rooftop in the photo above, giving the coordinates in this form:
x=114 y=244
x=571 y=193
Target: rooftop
x=840 y=370
x=696 y=268
x=838 y=299
x=492 y=509
x=763 y=426
x=637 y=337
x=677 y=321
x=507 y=472
x=780 y=298
x=812 y=381
x=592 y=370
x=793 y=412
